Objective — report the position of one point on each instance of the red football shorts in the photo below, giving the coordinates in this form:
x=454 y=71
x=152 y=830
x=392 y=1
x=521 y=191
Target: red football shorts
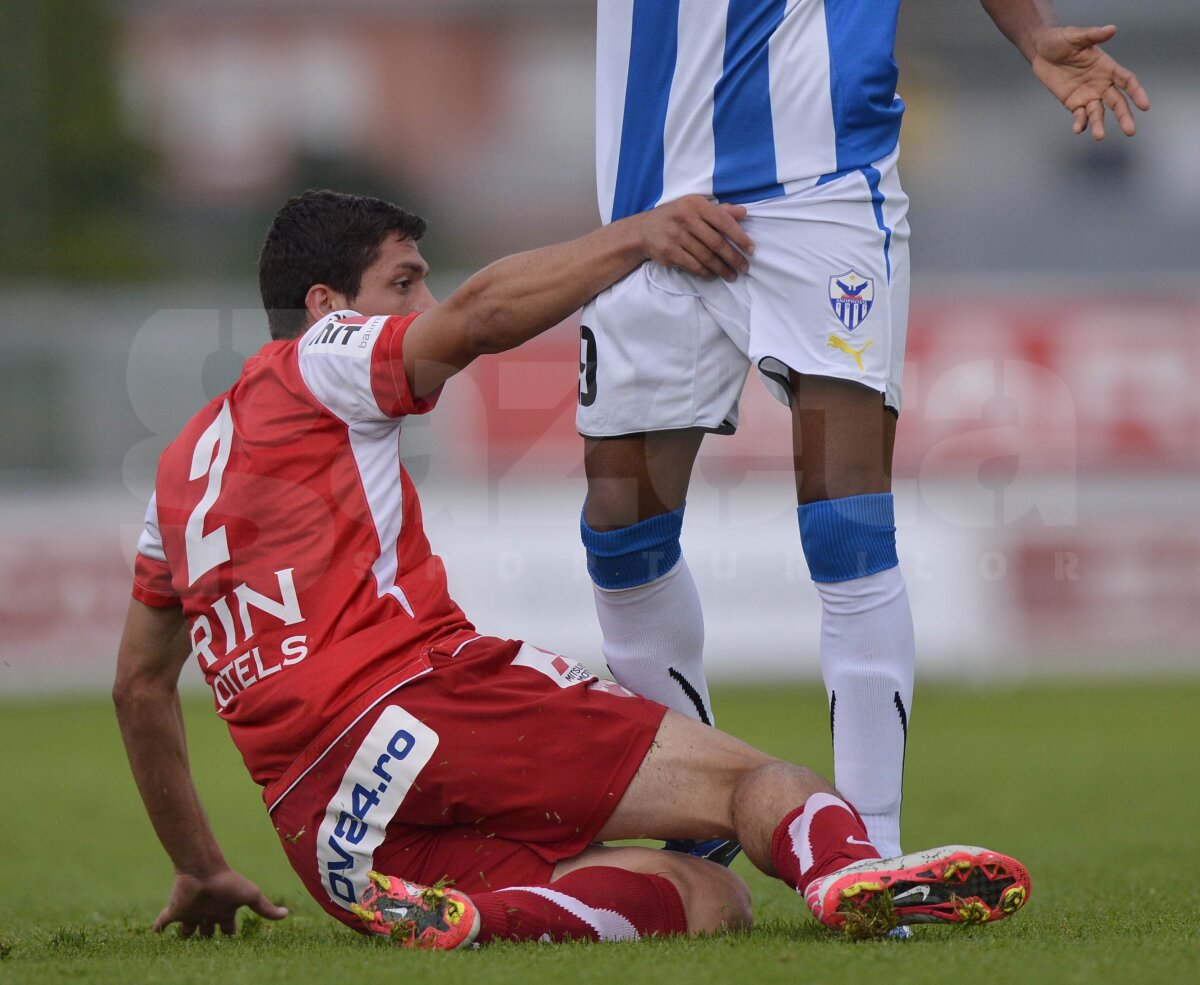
x=487 y=769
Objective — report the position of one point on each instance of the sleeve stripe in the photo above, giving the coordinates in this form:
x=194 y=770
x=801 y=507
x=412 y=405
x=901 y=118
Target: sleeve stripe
x=335 y=364
x=150 y=540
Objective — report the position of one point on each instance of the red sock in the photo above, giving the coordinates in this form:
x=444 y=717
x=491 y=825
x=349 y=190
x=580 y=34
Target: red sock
x=821 y=837
x=598 y=903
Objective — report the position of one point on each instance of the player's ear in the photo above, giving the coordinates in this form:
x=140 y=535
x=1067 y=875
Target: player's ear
x=322 y=300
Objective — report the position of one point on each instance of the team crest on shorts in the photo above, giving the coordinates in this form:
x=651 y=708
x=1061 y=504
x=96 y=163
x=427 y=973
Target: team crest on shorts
x=852 y=297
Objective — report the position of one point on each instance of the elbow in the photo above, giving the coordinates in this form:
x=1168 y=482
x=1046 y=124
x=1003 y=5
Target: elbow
x=120 y=687
x=123 y=695
x=137 y=703
x=130 y=690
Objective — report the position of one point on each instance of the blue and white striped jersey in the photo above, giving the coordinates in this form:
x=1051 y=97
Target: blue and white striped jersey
x=740 y=99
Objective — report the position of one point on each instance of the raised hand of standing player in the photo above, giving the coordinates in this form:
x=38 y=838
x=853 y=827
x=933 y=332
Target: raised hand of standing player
x=203 y=905
x=1070 y=63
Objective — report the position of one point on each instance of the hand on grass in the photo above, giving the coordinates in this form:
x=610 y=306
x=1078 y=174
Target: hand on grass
x=205 y=904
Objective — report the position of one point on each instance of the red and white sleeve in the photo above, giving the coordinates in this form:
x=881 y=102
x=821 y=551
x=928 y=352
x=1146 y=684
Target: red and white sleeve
x=151 y=572
x=354 y=367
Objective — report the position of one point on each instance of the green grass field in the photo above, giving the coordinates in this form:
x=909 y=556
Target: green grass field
x=1095 y=787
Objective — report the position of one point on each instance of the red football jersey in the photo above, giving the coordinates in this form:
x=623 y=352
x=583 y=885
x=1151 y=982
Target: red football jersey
x=286 y=527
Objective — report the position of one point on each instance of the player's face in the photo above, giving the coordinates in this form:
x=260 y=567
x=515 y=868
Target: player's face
x=395 y=284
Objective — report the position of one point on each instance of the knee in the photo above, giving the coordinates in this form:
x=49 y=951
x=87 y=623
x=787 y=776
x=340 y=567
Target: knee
x=726 y=901
x=715 y=899
x=774 y=789
x=762 y=798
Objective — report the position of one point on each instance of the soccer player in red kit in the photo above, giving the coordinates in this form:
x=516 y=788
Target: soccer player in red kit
x=397 y=746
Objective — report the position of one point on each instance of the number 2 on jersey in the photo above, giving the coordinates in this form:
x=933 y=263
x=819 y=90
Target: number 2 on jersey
x=206 y=551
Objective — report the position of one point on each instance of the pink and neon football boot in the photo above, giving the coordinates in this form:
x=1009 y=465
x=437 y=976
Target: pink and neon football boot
x=428 y=918
x=953 y=884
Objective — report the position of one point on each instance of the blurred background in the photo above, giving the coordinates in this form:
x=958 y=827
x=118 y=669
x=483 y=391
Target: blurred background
x=1048 y=468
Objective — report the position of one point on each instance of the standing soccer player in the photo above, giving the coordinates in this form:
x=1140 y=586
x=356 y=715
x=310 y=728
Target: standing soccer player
x=789 y=108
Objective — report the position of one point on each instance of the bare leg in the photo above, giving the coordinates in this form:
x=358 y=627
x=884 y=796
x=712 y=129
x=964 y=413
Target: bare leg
x=698 y=782
x=638 y=476
x=842 y=439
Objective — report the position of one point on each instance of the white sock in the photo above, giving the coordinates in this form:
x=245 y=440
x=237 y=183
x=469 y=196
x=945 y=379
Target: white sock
x=654 y=640
x=867 y=659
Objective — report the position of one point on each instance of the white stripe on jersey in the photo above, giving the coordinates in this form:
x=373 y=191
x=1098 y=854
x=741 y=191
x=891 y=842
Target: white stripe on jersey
x=150 y=540
x=336 y=367
x=612 y=59
x=689 y=152
x=376 y=448
x=808 y=135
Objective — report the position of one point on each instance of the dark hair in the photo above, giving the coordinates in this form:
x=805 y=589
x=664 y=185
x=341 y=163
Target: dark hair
x=323 y=237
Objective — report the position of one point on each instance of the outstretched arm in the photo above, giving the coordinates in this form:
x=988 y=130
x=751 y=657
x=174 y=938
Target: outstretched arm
x=1070 y=63
x=514 y=299
x=207 y=892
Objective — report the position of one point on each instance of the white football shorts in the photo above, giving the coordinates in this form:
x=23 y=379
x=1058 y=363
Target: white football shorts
x=826 y=294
